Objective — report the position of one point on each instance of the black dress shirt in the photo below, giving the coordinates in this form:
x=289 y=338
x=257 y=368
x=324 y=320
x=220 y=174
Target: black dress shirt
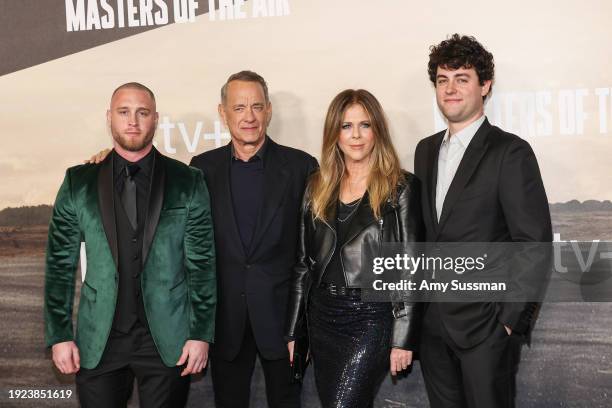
x=247 y=181
x=142 y=179
x=130 y=307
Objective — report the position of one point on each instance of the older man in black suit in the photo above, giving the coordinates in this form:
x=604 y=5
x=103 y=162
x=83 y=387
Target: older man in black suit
x=256 y=188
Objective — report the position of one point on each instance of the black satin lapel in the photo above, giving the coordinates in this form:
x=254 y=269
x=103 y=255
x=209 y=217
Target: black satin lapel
x=276 y=179
x=473 y=154
x=106 y=192
x=156 y=200
x=433 y=180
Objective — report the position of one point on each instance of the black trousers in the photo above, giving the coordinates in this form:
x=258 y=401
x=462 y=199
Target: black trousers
x=232 y=379
x=129 y=356
x=480 y=377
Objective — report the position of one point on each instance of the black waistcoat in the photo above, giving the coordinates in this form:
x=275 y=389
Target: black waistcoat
x=130 y=307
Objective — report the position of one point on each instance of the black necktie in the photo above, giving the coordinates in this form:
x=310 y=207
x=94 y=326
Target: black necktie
x=128 y=195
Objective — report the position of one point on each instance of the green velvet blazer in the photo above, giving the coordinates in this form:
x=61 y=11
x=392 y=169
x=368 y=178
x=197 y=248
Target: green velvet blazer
x=178 y=278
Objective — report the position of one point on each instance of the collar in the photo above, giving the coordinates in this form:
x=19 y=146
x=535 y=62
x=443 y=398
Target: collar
x=145 y=164
x=260 y=154
x=465 y=135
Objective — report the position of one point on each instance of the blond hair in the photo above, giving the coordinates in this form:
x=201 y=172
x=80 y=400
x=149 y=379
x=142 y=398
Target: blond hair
x=385 y=172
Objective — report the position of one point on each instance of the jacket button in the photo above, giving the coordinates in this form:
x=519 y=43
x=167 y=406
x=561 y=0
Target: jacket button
x=242 y=294
x=247 y=266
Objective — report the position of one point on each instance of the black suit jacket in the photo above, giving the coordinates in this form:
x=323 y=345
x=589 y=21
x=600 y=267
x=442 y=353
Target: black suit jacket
x=497 y=195
x=256 y=281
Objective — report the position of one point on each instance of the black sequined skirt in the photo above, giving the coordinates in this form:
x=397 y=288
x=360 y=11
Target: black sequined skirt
x=350 y=343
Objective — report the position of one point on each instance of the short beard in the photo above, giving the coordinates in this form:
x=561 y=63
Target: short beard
x=134 y=146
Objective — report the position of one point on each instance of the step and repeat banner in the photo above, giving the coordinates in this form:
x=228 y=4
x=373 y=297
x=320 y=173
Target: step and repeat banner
x=60 y=60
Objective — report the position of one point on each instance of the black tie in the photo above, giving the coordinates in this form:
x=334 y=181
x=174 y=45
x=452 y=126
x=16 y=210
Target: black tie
x=128 y=195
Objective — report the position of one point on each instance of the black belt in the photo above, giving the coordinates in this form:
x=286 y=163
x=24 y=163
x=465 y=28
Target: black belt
x=336 y=290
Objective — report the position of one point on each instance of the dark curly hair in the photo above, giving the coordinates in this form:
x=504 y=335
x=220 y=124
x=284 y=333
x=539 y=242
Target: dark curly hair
x=461 y=51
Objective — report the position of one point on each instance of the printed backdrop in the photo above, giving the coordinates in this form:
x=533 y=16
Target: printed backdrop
x=61 y=59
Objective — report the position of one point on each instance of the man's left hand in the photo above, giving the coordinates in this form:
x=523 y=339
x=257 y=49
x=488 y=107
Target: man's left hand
x=399 y=360
x=195 y=353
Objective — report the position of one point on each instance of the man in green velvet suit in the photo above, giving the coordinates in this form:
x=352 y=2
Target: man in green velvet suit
x=147 y=304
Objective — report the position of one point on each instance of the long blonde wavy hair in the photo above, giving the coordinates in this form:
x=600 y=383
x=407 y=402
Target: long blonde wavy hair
x=385 y=171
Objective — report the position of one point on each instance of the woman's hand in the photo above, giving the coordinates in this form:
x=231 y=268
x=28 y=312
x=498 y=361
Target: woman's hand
x=400 y=360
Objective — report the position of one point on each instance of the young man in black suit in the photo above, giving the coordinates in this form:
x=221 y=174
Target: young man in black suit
x=256 y=188
x=481 y=184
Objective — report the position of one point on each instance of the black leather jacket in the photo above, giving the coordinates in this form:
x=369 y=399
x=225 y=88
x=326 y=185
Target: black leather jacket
x=400 y=222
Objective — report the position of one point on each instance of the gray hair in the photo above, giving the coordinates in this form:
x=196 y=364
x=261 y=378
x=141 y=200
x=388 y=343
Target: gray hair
x=248 y=76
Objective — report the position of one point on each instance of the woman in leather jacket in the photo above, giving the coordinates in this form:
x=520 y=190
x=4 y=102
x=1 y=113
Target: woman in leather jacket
x=358 y=198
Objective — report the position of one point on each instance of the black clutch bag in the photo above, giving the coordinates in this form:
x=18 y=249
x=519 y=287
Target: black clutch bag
x=300 y=360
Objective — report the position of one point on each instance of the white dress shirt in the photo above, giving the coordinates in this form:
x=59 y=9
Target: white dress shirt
x=450 y=155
